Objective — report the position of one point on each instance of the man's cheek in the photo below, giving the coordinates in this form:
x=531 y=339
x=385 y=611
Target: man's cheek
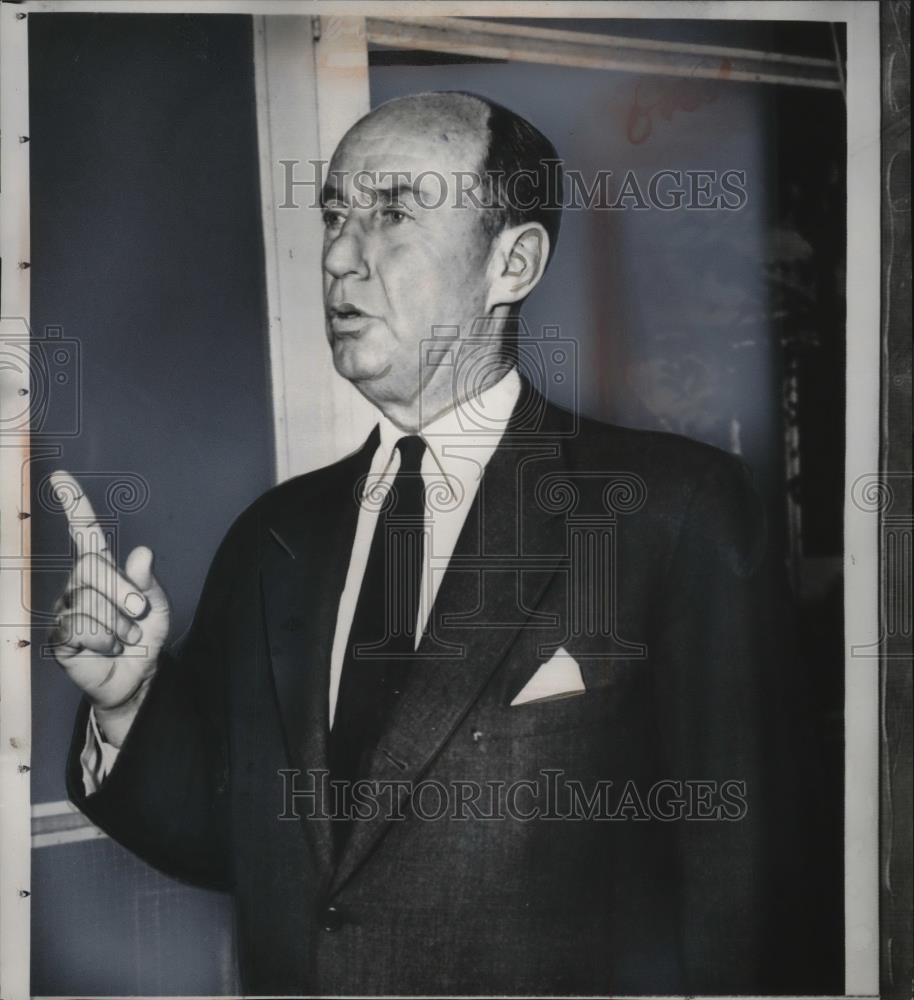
x=407 y=260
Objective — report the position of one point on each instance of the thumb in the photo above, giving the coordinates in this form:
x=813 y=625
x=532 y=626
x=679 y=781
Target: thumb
x=138 y=570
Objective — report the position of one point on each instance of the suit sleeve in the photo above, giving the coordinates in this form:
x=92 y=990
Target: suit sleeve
x=166 y=797
x=724 y=717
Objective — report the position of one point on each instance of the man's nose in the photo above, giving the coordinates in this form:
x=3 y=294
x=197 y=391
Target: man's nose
x=345 y=254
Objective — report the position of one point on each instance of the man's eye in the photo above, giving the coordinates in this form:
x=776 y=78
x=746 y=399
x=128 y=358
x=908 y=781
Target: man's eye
x=332 y=218
x=394 y=215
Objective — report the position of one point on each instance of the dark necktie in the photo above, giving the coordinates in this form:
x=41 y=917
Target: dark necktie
x=382 y=638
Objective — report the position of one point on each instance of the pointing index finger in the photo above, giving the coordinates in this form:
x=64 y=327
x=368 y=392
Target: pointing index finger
x=87 y=534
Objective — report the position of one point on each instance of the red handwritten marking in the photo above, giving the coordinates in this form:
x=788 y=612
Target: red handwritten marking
x=687 y=95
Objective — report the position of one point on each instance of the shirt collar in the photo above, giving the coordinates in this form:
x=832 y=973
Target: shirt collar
x=471 y=430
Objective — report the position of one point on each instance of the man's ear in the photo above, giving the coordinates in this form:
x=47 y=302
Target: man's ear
x=516 y=264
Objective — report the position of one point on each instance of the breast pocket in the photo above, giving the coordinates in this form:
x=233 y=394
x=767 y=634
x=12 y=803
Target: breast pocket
x=599 y=704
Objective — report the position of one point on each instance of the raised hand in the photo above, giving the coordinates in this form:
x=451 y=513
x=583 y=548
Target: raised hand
x=111 y=625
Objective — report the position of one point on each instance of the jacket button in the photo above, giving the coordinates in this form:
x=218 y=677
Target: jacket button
x=332 y=919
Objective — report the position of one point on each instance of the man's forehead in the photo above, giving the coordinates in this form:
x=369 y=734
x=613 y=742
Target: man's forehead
x=409 y=140
x=436 y=119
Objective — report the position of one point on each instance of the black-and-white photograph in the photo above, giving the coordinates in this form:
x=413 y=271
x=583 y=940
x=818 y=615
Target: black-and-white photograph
x=442 y=500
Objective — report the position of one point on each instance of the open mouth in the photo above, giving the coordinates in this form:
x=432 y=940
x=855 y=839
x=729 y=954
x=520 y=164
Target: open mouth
x=346 y=311
x=346 y=318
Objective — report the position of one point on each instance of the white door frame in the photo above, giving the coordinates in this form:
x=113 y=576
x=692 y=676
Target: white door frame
x=312 y=83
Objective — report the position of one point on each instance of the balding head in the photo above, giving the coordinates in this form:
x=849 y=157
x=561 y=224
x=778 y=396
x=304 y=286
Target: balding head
x=440 y=117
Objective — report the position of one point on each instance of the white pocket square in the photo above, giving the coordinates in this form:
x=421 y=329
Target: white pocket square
x=558 y=677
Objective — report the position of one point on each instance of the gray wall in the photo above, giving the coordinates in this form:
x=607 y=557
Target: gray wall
x=147 y=252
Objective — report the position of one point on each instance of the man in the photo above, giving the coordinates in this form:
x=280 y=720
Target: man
x=557 y=628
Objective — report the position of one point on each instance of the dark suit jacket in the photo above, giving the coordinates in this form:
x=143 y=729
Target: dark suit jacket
x=644 y=555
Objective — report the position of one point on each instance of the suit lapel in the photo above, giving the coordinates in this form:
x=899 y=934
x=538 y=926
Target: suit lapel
x=483 y=604
x=302 y=577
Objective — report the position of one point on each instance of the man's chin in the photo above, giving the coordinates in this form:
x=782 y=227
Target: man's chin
x=359 y=370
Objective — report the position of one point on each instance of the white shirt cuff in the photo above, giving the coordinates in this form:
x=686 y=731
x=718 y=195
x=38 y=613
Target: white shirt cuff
x=97 y=758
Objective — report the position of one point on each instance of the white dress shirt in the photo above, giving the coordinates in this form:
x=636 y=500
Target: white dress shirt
x=459 y=445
